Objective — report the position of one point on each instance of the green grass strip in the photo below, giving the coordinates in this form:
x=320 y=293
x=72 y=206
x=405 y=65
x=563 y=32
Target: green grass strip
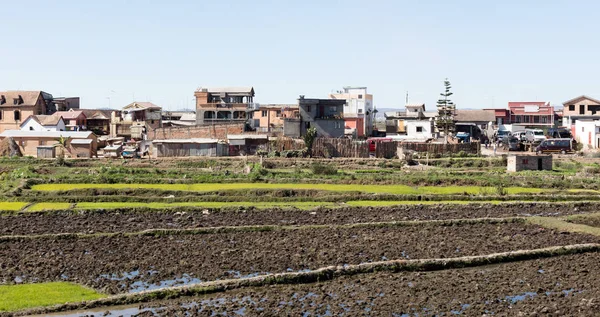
x=324 y=274
x=382 y=189
x=23 y=296
x=48 y=206
x=12 y=206
x=560 y=224
x=383 y=203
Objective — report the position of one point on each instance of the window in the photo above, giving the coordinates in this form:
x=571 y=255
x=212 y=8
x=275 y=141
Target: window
x=42 y=142
x=333 y=108
x=264 y=113
x=0 y=115
x=278 y=114
x=420 y=129
x=17 y=115
x=2 y=100
x=581 y=109
x=544 y=119
x=307 y=125
x=308 y=109
x=15 y=101
x=571 y=107
x=359 y=110
x=360 y=96
x=151 y=121
x=30 y=128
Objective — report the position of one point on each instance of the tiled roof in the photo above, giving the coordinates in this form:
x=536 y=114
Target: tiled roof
x=582 y=97
x=30 y=98
x=68 y=115
x=464 y=115
x=46 y=134
x=141 y=105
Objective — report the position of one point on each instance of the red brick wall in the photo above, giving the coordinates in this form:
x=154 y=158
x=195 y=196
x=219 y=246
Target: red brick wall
x=215 y=132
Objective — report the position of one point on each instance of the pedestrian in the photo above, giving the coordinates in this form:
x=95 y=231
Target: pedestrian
x=495 y=146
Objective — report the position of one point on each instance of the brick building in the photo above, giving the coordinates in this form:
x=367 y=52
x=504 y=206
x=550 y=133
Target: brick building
x=226 y=104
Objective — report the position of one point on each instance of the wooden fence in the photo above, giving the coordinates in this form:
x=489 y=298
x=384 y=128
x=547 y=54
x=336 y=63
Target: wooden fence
x=440 y=148
x=325 y=147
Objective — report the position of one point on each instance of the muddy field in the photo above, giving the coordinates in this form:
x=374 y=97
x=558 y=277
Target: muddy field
x=134 y=263
x=561 y=286
x=132 y=221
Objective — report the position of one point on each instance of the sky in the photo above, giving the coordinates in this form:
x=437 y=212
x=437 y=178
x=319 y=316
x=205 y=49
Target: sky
x=112 y=52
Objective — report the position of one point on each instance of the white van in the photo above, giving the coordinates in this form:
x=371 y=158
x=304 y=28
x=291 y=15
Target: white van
x=534 y=135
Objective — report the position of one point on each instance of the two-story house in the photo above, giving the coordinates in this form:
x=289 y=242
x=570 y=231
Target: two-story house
x=269 y=118
x=75 y=120
x=358 y=111
x=580 y=108
x=16 y=106
x=135 y=120
x=325 y=115
x=226 y=104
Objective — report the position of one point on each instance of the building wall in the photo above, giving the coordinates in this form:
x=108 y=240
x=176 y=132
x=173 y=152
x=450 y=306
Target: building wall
x=28 y=145
x=269 y=117
x=419 y=129
x=356 y=123
x=329 y=128
x=217 y=131
x=358 y=101
x=8 y=123
x=529 y=163
x=587 y=132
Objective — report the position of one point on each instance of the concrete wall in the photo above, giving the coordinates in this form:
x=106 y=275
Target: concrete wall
x=529 y=163
x=329 y=128
x=587 y=132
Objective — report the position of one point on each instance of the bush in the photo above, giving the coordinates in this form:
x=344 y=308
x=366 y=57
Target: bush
x=323 y=169
x=594 y=169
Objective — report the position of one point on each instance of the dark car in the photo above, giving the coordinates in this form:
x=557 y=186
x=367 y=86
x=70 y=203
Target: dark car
x=562 y=146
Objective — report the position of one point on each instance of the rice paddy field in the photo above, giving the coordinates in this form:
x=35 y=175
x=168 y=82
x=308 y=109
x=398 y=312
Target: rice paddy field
x=367 y=238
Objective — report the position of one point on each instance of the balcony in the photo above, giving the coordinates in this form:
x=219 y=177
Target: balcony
x=232 y=106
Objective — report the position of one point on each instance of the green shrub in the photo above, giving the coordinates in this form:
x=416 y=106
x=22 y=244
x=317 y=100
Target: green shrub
x=323 y=169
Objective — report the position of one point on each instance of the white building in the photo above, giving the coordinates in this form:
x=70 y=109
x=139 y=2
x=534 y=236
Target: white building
x=587 y=132
x=358 y=104
x=43 y=123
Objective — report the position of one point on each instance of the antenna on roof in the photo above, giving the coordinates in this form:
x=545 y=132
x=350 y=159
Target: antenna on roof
x=407 y=97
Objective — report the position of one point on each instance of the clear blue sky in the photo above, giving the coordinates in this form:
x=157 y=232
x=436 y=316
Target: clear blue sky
x=161 y=51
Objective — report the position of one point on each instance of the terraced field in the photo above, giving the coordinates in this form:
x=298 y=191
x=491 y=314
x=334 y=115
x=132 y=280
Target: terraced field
x=282 y=248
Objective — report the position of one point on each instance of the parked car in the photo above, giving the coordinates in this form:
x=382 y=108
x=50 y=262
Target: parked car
x=519 y=135
x=559 y=133
x=511 y=143
x=562 y=146
x=500 y=134
x=534 y=135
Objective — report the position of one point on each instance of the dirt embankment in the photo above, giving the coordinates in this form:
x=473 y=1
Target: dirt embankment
x=561 y=286
x=131 y=221
x=125 y=263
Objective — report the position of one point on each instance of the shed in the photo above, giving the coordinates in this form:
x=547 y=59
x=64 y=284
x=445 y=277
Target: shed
x=82 y=148
x=518 y=163
x=46 y=151
x=113 y=151
x=246 y=143
x=189 y=147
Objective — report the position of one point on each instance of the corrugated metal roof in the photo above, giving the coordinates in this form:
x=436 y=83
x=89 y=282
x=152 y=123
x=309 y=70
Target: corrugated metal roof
x=248 y=136
x=82 y=141
x=47 y=134
x=141 y=105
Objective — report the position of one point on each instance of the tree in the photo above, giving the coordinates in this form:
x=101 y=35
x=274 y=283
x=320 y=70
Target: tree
x=62 y=144
x=309 y=139
x=446 y=109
